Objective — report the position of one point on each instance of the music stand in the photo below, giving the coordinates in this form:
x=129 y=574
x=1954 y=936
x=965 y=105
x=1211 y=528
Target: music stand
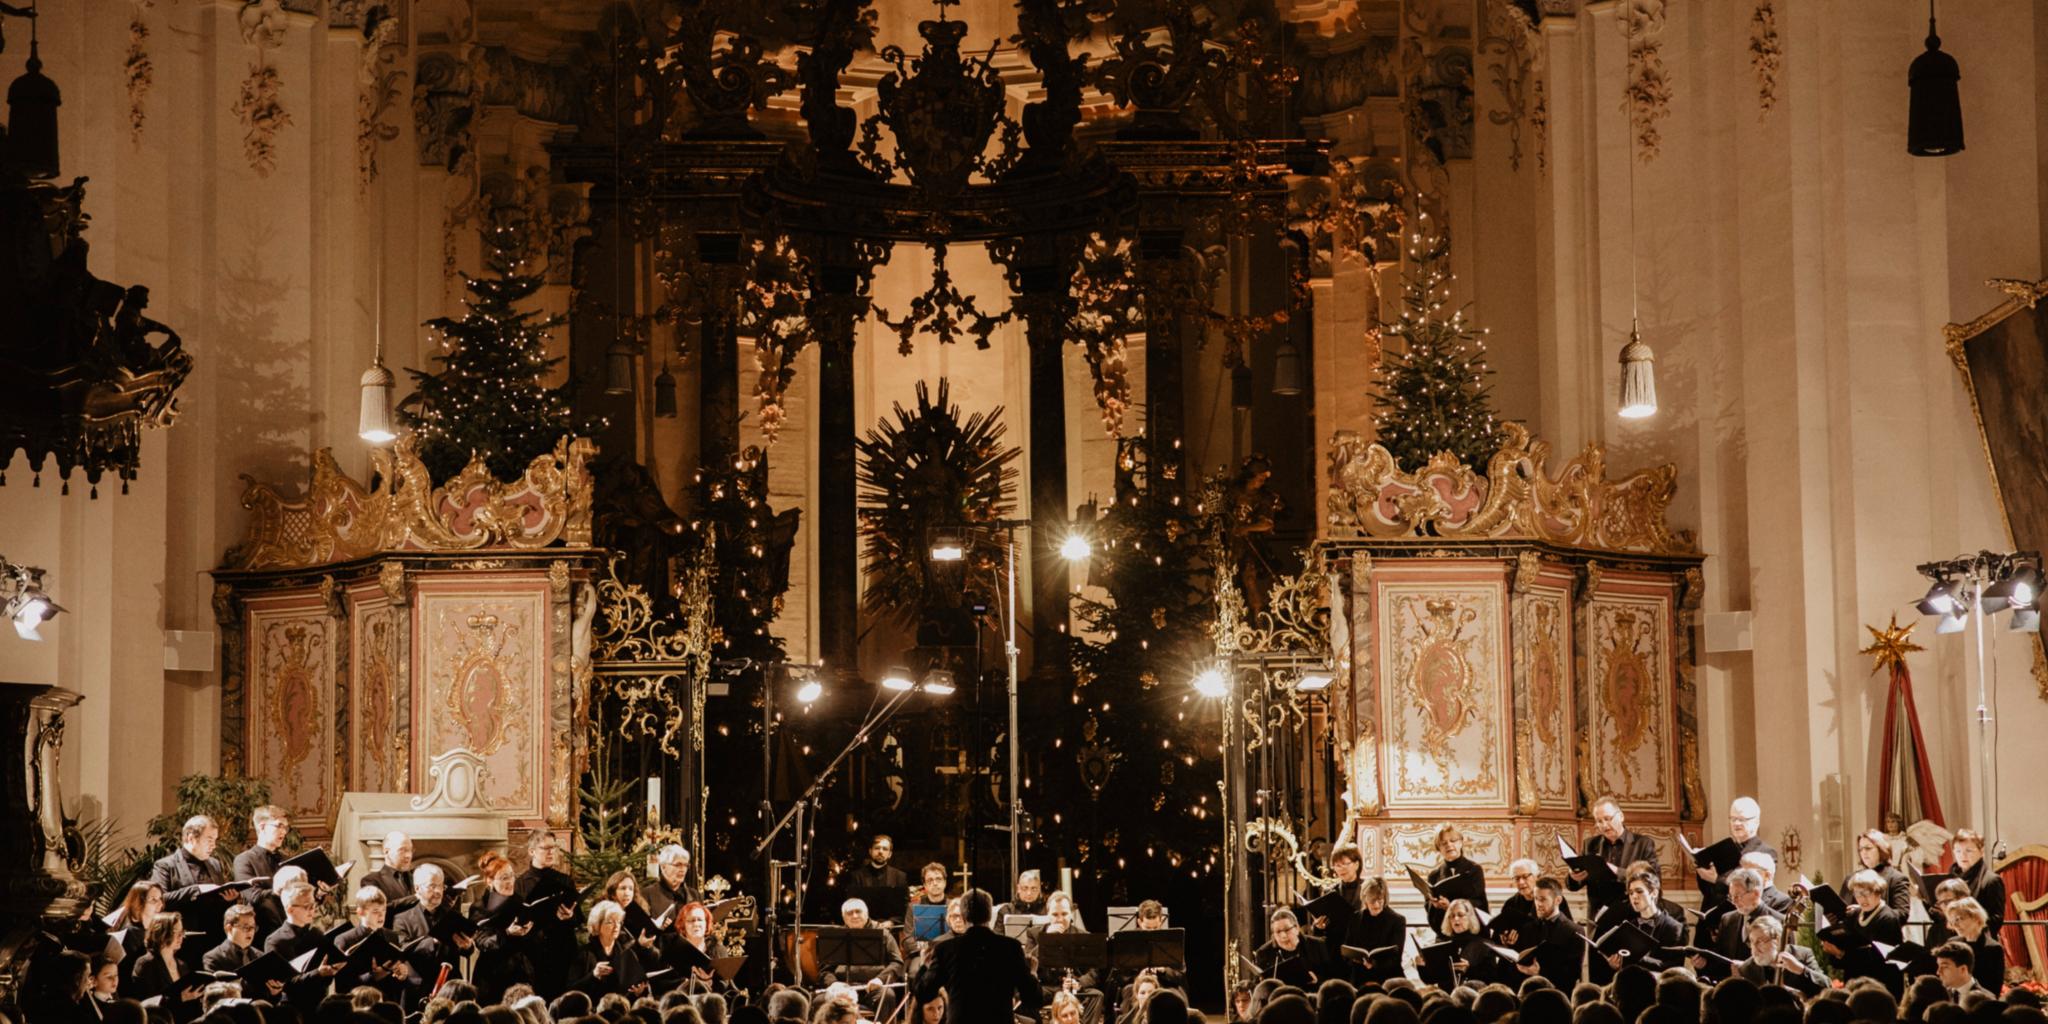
x=1015 y=925
x=851 y=947
x=1072 y=951
x=1136 y=949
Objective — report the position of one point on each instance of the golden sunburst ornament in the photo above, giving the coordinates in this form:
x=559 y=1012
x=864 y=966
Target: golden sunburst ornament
x=1890 y=646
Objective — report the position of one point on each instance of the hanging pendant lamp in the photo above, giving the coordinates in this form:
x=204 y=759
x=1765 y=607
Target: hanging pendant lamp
x=665 y=393
x=373 y=422
x=1287 y=369
x=1934 y=118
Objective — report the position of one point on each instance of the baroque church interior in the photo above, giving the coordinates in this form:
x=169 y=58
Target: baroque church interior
x=1198 y=451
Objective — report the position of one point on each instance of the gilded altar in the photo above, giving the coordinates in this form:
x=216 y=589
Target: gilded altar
x=1508 y=647
x=368 y=629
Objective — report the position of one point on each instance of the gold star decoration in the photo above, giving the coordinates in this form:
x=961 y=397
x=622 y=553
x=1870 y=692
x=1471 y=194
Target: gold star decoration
x=1890 y=646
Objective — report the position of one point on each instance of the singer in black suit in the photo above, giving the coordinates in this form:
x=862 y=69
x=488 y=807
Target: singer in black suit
x=984 y=975
x=1292 y=957
x=1614 y=843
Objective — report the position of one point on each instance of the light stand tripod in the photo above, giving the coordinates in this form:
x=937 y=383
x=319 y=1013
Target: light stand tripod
x=796 y=814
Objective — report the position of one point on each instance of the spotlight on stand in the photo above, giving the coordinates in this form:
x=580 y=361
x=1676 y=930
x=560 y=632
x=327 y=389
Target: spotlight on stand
x=1951 y=624
x=1211 y=681
x=2020 y=588
x=1944 y=598
x=939 y=682
x=1313 y=680
x=808 y=688
x=898 y=679
x=2026 y=620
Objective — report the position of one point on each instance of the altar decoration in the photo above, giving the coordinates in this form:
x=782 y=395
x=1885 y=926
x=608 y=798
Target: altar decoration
x=366 y=630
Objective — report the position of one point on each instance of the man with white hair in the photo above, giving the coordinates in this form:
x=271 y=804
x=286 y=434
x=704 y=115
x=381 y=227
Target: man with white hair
x=671 y=886
x=1767 y=866
x=1745 y=818
x=1029 y=897
x=1519 y=911
x=869 y=979
x=433 y=913
x=395 y=877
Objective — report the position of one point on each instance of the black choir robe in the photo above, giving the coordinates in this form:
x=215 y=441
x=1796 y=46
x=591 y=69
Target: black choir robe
x=1732 y=937
x=405 y=992
x=1619 y=854
x=1898 y=890
x=417 y=922
x=1459 y=879
x=1308 y=959
x=1716 y=891
x=1556 y=949
x=179 y=875
x=628 y=975
x=392 y=882
x=1989 y=966
x=291 y=942
x=1986 y=887
x=257 y=862
x=152 y=977
x=659 y=897
x=505 y=959
x=1374 y=931
x=553 y=939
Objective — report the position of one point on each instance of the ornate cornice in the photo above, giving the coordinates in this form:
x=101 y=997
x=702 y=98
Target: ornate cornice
x=339 y=519
x=1515 y=499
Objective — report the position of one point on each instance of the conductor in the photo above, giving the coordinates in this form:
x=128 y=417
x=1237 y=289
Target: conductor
x=983 y=974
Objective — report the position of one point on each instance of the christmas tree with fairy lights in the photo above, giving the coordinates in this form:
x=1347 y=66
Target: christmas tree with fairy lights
x=1432 y=387
x=489 y=398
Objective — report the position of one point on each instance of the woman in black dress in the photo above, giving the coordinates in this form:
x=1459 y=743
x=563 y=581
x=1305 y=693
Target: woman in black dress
x=504 y=931
x=1377 y=926
x=1455 y=879
x=1645 y=912
x=1874 y=852
x=158 y=974
x=608 y=962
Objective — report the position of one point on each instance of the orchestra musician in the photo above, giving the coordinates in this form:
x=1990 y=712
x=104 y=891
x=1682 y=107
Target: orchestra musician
x=1151 y=918
x=877 y=872
x=1744 y=817
x=1028 y=897
x=1457 y=878
x=932 y=890
x=1767 y=964
x=1874 y=852
x=1614 y=843
x=871 y=981
x=1986 y=887
x=1059 y=907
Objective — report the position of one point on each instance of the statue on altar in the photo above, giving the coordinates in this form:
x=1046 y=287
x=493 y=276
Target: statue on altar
x=1253 y=509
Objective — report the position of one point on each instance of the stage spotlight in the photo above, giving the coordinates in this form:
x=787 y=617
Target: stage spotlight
x=1314 y=679
x=808 y=688
x=2021 y=589
x=1211 y=681
x=897 y=678
x=1076 y=548
x=1951 y=624
x=1943 y=598
x=940 y=682
x=2026 y=620
x=948 y=547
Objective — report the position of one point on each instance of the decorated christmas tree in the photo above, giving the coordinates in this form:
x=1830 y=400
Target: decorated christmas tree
x=489 y=398
x=1431 y=385
x=1131 y=785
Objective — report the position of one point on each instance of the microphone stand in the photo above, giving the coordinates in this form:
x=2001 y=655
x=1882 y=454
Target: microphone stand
x=796 y=814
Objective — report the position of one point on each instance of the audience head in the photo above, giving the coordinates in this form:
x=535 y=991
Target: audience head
x=787 y=1004
x=1952 y=963
x=1166 y=1007
x=567 y=1006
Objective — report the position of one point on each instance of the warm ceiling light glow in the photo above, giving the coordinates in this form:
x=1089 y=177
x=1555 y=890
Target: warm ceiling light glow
x=898 y=679
x=1211 y=682
x=1076 y=548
